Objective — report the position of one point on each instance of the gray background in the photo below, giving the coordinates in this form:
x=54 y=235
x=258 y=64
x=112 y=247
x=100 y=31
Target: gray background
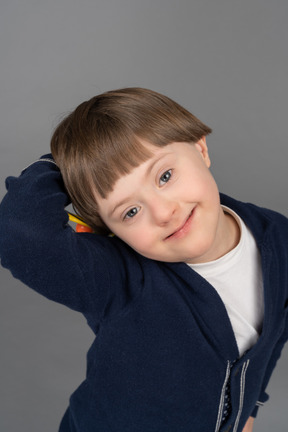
x=224 y=60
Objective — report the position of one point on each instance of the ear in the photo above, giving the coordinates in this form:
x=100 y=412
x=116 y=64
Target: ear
x=201 y=146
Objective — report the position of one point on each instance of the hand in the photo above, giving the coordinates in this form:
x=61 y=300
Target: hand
x=249 y=425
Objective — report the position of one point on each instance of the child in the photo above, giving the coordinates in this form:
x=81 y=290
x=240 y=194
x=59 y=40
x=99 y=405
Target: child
x=188 y=299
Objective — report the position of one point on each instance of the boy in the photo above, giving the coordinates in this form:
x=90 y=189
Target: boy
x=177 y=296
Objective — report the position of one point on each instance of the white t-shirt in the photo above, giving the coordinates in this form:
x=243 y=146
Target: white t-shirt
x=237 y=277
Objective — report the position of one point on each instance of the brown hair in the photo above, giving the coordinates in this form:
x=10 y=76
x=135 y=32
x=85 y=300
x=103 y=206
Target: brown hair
x=100 y=141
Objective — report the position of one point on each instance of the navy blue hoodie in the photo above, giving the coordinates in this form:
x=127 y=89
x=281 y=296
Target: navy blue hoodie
x=165 y=352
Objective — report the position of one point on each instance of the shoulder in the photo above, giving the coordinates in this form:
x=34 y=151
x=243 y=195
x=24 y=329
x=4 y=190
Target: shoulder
x=259 y=219
x=252 y=210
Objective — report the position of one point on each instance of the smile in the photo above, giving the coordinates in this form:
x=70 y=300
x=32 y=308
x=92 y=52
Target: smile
x=183 y=229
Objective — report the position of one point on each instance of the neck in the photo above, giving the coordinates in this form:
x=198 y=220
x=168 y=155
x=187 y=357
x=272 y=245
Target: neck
x=233 y=233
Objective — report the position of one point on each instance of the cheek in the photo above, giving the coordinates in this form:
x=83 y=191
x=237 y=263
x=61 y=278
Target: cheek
x=208 y=186
x=139 y=239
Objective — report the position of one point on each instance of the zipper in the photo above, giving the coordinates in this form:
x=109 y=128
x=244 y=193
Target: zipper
x=222 y=397
x=242 y=391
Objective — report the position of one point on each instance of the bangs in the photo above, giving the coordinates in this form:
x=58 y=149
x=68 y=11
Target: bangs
x=115 y=159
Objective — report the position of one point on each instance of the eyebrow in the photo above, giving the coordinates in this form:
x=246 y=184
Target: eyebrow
x=119 y=204
x=148 y=171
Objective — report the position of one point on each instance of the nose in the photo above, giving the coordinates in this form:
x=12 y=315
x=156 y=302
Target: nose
x=163 y=210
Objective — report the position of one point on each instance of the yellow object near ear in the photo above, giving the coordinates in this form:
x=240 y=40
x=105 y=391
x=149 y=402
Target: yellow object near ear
x=82 y=226
x=76 y=219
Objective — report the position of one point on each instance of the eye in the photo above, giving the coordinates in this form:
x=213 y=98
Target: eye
x=131 y=213
x=165 y=177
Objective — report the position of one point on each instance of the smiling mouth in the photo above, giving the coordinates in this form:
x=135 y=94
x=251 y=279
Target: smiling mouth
x=183 y=229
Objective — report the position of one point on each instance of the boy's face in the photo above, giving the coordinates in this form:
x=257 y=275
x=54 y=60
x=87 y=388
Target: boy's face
x=168 y=207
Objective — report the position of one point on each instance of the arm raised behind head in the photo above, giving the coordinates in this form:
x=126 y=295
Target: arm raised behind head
x=40 y=248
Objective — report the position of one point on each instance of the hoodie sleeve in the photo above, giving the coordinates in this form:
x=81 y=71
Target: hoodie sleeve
x=40 y=248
